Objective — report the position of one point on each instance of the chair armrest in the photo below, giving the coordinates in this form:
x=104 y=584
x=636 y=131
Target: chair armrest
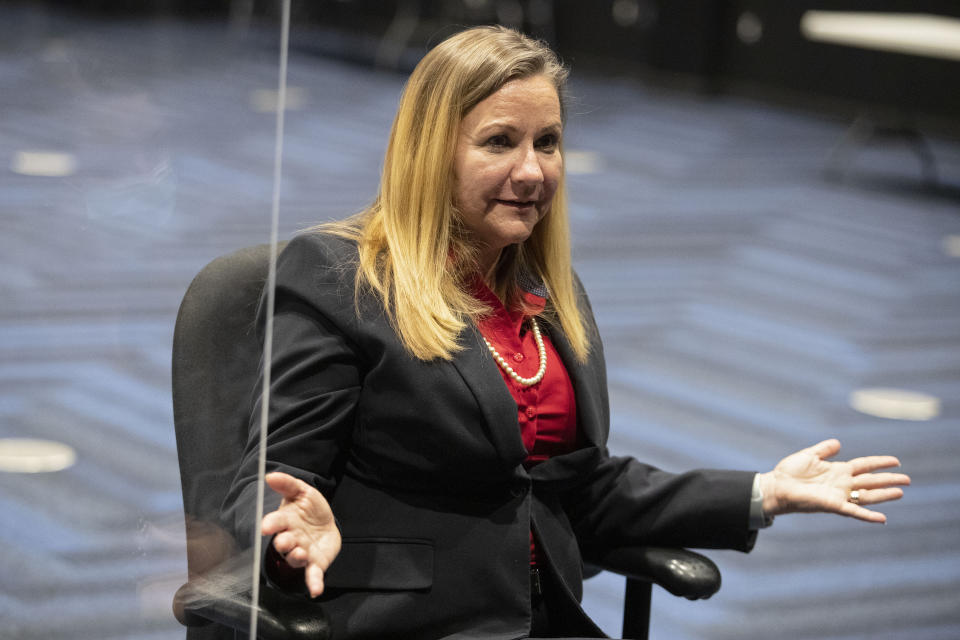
x=679 y=571
x=281 y=617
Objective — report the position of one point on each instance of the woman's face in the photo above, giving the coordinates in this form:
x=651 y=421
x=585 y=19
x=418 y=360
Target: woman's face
x=508 y=163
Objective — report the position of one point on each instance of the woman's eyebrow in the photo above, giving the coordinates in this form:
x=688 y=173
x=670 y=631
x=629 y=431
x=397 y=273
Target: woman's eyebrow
x=504 y=125
x=497 y=125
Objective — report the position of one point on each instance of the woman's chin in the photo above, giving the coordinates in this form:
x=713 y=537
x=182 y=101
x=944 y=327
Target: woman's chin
x=517 y=238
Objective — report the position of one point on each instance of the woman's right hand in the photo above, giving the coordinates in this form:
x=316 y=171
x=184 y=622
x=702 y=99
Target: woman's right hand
x=305 y=532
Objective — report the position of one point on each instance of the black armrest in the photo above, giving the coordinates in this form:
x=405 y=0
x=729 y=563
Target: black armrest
x=281 y=617
x=679 y=571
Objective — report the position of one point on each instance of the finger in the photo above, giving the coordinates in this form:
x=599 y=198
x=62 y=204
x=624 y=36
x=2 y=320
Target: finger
x=876 y=496
x=861 y=513
x=297 y=558
x=825 y=449
x=868 y=464
x=274 y=522
x=285 y=484
x=284 y=542
x=314 y=580
x=880 y=480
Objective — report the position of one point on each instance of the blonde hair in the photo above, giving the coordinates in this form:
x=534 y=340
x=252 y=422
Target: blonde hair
x=413 y=250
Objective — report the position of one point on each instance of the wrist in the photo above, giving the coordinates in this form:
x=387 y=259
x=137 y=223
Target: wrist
x=768 y=486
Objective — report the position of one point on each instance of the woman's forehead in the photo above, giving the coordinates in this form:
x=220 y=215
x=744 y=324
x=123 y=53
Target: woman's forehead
x=523 y=98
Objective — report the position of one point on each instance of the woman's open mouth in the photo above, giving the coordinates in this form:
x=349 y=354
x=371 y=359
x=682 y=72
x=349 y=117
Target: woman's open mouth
x=518 y=204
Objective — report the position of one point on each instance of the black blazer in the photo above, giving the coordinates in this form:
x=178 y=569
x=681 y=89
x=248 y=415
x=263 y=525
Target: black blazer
x=422 y=464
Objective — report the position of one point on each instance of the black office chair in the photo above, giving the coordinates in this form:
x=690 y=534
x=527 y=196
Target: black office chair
x=216 y=359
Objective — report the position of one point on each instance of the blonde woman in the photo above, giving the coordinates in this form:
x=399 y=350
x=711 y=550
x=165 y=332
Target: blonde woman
x=439 y=387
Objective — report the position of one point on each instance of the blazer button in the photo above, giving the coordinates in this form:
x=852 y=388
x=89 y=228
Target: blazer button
x=518 y=491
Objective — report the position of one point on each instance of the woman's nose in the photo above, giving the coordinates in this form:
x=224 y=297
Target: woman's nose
x=527 y=169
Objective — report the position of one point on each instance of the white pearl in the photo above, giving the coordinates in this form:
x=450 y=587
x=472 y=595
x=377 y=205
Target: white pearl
x=541 y=352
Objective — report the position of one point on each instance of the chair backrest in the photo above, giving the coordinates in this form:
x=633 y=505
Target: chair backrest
x=216 y=360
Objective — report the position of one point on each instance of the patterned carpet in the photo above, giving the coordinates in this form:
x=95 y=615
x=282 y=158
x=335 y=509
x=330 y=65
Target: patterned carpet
x=742 y=298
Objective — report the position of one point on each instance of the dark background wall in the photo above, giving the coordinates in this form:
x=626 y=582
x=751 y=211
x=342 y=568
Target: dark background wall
x=700 y=38
x=698 y=42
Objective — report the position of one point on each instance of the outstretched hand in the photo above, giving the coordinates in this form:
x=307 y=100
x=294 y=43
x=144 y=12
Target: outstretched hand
x=306 y=532
x=806 y=482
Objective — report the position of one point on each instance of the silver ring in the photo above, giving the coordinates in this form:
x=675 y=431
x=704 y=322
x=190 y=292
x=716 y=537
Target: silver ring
x=854 y=497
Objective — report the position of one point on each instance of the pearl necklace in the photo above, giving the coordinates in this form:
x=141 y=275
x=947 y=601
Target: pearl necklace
x=541 y=351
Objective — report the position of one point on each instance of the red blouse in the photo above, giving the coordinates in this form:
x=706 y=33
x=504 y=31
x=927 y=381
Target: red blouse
x=546 y=410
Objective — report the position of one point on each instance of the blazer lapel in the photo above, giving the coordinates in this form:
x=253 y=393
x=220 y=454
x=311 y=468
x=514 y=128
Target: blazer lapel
x=479 y=370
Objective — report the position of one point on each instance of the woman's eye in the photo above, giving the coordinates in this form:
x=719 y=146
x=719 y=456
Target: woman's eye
x=498 y=142
x=548 y=142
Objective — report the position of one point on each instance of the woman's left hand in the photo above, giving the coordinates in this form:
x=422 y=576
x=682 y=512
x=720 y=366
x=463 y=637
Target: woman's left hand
x=807 y=482
x=304 y=529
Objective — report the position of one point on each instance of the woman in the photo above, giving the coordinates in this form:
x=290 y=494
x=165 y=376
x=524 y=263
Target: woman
x=439 y=385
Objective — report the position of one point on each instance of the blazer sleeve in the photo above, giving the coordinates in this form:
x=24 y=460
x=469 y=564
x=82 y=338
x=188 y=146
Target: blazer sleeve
x=625 y=502
x=316 y=373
